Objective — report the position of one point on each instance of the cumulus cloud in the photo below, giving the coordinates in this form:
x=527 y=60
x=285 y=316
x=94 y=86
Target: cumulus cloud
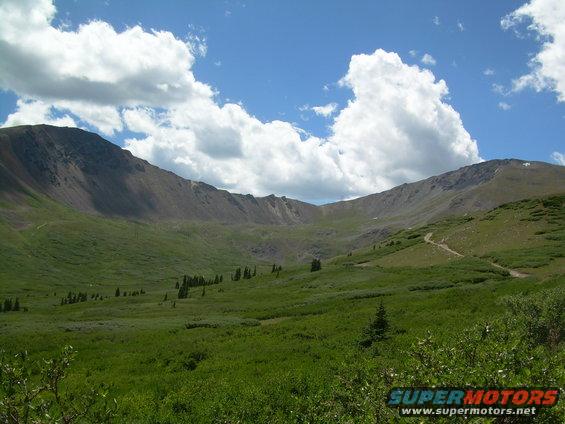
x=436 y=21
x=30 y=112
x=504 y=106
x=428 y=59
x=94 y=64
x=325 y=110
x=396 y=127
x=559 y=158
x=460 y=26
x=488 y=72
x=546 y=19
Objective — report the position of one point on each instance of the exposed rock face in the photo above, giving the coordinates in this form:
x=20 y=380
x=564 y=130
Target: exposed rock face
x=82 y=170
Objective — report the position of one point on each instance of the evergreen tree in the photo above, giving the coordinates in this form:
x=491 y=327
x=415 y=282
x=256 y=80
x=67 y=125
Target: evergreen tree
x=237 y=275
x=117 y=294
x=165 y=298
x=246 y=273
x=7 y=305
x=254 y=270
x=377 y=329
x=274 y=269
x=221 y=278
x=16 y=305
x=316 y=265
x=177 y=284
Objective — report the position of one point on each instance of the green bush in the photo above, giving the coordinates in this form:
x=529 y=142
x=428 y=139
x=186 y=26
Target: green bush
x=35 y=392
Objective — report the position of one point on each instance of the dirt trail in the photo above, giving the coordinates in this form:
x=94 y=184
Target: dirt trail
x=428 y=239
x=513 y=273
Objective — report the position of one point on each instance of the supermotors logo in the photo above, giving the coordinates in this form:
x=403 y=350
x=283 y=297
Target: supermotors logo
x=484 y=402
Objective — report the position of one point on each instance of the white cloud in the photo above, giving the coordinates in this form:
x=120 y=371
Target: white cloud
x=31 y=112
x=413 y=53
x=436 y=21
x=547 y=20
x=325 y=110
x=397 y=127
x=428 y=59
x=504 y=106
x=499 y=89
x=106 y=118
x=460 y=26
x=558 y=157
x=94 y=64
x=488 y=72
x=198 y=45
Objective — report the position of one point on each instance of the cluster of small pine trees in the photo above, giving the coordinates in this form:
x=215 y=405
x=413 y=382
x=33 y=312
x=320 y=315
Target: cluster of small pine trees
x=195 y=281
x=276 y=268
x=74 y=298
x=316 y=265
x=246 y=274
x=117 y=293
x=10 y=305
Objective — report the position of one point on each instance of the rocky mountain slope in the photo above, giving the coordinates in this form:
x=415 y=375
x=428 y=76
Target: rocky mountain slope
x=90 y=174
x=482 y=186
x=86 y=172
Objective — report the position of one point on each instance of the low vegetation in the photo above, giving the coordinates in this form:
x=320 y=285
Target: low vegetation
x=287 y=344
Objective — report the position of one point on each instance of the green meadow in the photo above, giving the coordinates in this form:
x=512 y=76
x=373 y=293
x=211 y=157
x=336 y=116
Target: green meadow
x=285 y=347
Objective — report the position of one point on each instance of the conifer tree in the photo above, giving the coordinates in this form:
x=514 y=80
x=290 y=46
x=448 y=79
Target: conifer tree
x=316 y=265
x=17 y=305
x=254 y=270
x=117 y=294
x=377 y=329
x=237 y=275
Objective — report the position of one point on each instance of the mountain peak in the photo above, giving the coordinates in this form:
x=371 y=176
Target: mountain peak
x=86 y=172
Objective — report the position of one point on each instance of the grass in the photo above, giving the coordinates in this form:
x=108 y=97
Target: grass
x=252 y=350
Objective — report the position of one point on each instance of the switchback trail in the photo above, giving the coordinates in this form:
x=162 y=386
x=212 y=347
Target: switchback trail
x=513 y=273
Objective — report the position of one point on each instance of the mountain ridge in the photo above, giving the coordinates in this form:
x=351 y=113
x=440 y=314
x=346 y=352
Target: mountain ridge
x=86 y=172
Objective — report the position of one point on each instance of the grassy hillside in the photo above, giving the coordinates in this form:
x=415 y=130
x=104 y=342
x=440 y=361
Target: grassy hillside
x=273 y=348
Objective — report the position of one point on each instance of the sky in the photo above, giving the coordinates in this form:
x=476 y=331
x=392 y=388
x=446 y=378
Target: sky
x=317 y=100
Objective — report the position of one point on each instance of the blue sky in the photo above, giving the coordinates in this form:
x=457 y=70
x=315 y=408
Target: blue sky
x=276 y=58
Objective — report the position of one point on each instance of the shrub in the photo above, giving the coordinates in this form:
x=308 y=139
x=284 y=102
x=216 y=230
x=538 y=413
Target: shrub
x=34 y=392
